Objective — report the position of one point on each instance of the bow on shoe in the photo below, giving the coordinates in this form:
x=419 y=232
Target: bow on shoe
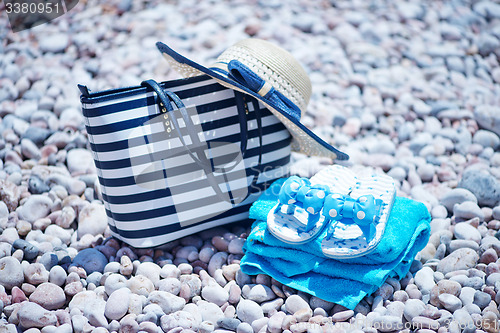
x=363 y=211
x=299 y=192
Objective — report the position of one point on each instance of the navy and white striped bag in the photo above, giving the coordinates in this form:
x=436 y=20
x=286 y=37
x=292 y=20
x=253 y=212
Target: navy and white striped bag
x=180 y=157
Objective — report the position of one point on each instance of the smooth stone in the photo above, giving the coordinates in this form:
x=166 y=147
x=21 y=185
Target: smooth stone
x=481 y=299
x=36 y=207
x=450 y=302
x=467 y=210
x=341 y=315
x=92 y=220
x=483 y=185
x=54 y=43
x=460 y=259
x=190 y=286
x=462 y=243
x=57 y=275
x=214 y=293
x=35 y=274
x=413 y=308
x=229 y=323
x=424 y=279
x=489 y=322
x=457 y=196
x=439 y=212
x=489 y=256
x=486 y=139
x=169 y=303
x=245 y=328
x=179 y=319
x=36 y=134
x=171 y=285
x=206 y=254
x=91 y=260
x=129 y=324
x=467 y=232
x=36 y=185
x=295 y=303
x=242 y=278
x=48 y=295
x=80 y=161
x=30 y=251
x=464 y=320
x=467 y=295
x=117 y=304
x=18 y=295
x=234 y=293
x=48 y=260
x=258 y=293
x=316 y=302
x=248 y=311
x=387 y=323
x=149 y=270
x=209 y=311
x=170 y=270
x=487 y=9
x=235 y=246
x=275 y=322
x=140 y=285
x=33 y=315
x=216 y=262
x=421 y=323
x=66 y=218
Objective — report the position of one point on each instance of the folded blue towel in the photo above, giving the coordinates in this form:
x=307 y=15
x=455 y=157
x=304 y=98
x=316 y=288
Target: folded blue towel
x=345 y=281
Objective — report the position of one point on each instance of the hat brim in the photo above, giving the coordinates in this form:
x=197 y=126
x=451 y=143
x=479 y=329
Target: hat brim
x=305 y=141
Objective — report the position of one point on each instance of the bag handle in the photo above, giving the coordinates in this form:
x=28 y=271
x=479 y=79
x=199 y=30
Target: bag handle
x=197 y=154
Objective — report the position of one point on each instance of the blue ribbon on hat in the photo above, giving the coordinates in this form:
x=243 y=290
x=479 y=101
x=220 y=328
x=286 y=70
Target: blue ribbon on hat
x=364 y=211
x=248 y=78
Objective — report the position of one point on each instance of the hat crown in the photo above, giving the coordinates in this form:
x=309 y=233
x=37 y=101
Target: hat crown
x=274 y=65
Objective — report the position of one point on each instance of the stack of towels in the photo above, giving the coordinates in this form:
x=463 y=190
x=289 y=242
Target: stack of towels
x=345 y=281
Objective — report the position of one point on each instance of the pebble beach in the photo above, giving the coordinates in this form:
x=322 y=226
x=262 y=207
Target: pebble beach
x=406 y=88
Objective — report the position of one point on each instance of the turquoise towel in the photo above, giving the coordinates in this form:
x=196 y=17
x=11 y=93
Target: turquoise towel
x=346 y=281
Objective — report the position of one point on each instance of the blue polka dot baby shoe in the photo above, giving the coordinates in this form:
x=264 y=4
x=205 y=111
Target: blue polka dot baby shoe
x=350 y=212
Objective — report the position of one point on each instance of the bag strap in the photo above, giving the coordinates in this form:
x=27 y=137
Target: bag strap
x=166 y=97
x=198 y=155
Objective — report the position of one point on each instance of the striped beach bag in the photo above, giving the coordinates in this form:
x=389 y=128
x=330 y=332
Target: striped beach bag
x=178 y=157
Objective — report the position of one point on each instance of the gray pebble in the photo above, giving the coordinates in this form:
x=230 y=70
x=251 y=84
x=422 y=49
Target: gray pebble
x=33 y=315
x=215 y=293
x=54 y=43
x=57 y=275
x=36 y=207
x=457 y=196
x=467 y=232
x=210 y=311
x=117 y=304
x=248 y=311
x=450 y=302
x=459 y=259
x=229 y=323
x=11 y=272
x=179 y=319
x=481 y=299
x=483 y=185
x=258 y=293
x=216 y=262
x=467 y=210
x=462 y=243
x=30 y=251
x=244 y=328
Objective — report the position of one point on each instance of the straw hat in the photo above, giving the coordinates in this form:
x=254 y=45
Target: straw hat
x=270 y=74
